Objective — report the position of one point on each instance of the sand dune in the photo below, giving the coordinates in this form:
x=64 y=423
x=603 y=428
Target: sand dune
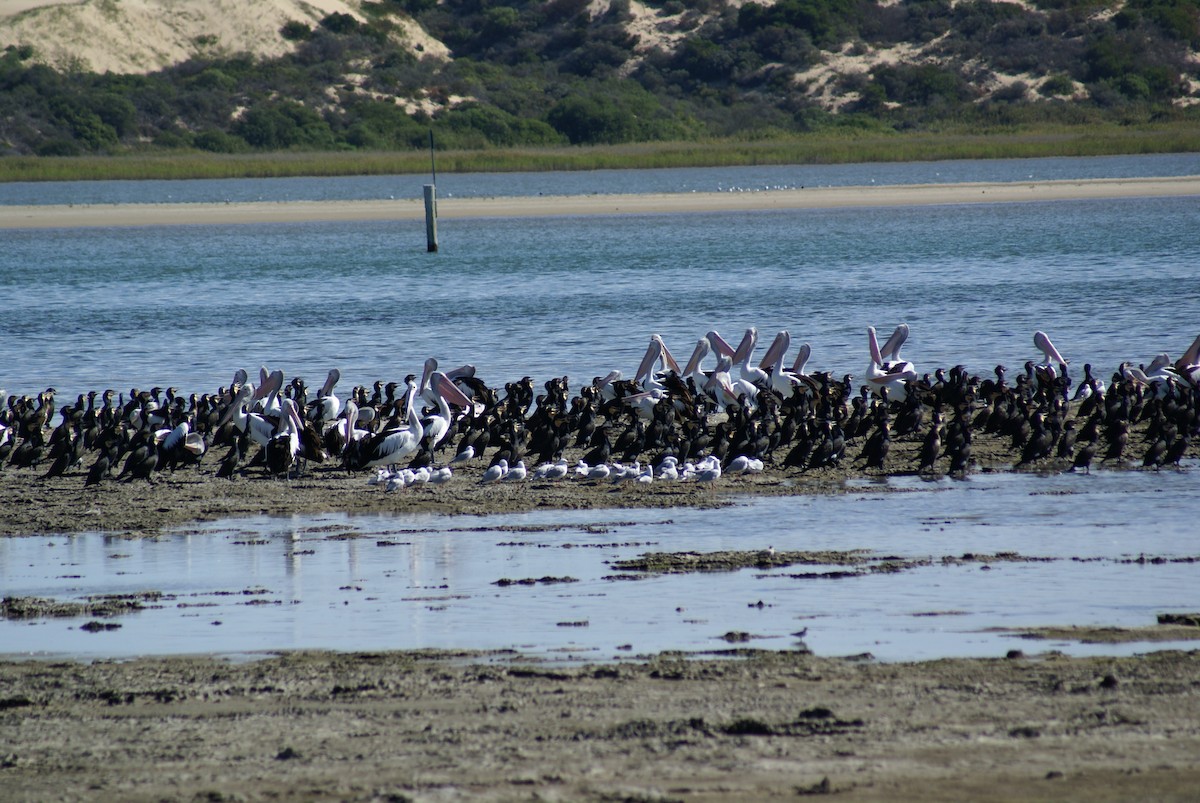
x=140 y=36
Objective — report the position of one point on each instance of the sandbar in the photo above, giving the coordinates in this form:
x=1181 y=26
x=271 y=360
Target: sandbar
x=176 y=214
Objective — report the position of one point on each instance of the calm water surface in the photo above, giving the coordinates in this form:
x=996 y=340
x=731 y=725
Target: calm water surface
x=394 y=582
x=187 y=306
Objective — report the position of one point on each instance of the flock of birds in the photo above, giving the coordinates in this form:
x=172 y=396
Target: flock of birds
x=667 y=423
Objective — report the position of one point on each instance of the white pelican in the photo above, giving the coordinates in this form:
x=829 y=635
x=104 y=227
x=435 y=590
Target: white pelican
x=1188 y=366
x=719 y=386
x=1047 y=369
x=892 y=373
x=443 y=391
x=1157 y=379
x=643 y=403
x=751 y=377
x=748 y=378
x=692 y=369
x=801 y=360
x=344 y=427
x=284 y=446
x=781 y=380
x=657 y=351
x=606 y=385
x=256 y=426
x=265 y=397
x=327 y=407
x=394 y=446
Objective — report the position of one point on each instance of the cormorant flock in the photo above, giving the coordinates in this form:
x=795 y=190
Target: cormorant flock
x=668 y=423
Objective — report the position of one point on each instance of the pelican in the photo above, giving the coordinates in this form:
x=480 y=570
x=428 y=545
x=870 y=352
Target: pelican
x=883 y=372
x=327 y=407
x=607 y=385
x=719 y=386
x=781 y=380
x=343 y=432
x=748 y=378
x=752 y=378
x=394 y=446
x=180 y=444
x=265 y=397
x=1047 y=369
x=1188 y=366
x=657 y=351
x=1157 y=379
x=256 y=426
x=643 y=403
x=284 y=446
x=692 y=369
x=443 y=391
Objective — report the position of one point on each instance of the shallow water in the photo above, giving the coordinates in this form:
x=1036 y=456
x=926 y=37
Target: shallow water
x=398 y=582
x=187 y=306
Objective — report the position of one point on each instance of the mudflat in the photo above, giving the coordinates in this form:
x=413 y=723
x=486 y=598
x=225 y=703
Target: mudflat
x=750 y=726
x=32 y=504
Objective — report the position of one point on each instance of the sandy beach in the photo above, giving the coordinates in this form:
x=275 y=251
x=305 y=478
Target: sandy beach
x=56 y=216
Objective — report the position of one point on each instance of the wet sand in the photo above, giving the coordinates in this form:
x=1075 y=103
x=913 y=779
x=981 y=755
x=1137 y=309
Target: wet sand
x=551 y=206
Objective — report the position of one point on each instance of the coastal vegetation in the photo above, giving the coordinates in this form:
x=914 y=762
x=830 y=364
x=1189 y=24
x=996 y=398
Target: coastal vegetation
x=817 y=148
x=568 y=84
